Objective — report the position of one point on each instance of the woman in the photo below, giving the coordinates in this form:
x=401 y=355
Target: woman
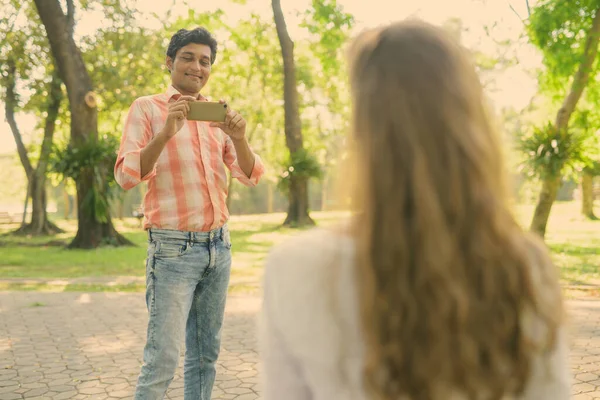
x=433 y=291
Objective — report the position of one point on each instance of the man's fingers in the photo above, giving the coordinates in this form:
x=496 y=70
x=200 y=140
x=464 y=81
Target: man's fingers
x=180 y=107
x=237 y=124
x=228 y=118
x=235 y=120
x=185 y=98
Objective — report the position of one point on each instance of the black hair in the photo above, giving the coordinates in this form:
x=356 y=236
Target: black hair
x=199 y=35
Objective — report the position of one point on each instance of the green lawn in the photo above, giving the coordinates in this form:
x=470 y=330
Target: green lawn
x=45 y=257
x=574 y=241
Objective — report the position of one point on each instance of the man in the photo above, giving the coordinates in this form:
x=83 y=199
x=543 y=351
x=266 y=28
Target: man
x=189 y=256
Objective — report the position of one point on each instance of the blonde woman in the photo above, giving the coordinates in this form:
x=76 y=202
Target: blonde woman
x=433 y=291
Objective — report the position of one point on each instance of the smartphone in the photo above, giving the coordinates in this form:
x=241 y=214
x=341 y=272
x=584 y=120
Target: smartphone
x=207 y=111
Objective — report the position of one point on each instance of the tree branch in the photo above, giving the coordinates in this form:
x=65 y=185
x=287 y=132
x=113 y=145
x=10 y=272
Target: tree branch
x=582 y=76
x=65 y=51
x=9 y=107
x=71 y=16
x=55 y=96
x=515 y=11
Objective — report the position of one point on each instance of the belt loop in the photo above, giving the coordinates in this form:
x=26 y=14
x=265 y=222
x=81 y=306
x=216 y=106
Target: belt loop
x=150 y=234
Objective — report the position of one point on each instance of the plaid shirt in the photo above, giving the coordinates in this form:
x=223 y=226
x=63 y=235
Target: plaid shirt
x=187 y=188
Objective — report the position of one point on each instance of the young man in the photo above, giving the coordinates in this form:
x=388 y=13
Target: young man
x=189 y=257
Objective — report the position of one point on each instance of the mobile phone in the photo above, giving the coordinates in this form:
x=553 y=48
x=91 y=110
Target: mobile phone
x=207 y=111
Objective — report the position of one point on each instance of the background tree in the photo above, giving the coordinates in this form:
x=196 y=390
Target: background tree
x=324 y=79
x=587 y=123
x=568 y=34
x=300 y=161
x=24 y=53
x=94 y=221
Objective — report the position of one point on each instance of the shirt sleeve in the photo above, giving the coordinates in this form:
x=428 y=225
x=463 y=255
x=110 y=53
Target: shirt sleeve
x=282 y=377
x=230 y=159
x=136 y=135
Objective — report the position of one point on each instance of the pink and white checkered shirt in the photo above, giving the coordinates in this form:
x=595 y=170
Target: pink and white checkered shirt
x=187 y=188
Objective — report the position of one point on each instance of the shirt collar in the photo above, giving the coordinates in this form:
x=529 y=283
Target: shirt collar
x=174 y=94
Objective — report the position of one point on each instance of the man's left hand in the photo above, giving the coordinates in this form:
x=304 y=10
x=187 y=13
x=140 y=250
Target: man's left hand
x=234 y=125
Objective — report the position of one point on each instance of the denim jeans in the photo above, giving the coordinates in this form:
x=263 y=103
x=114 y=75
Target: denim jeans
x=187 y=274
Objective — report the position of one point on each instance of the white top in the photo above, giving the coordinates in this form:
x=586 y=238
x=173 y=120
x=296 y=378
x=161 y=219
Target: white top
x=309 y=332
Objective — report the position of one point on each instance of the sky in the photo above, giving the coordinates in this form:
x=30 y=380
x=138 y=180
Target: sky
x=515 y=86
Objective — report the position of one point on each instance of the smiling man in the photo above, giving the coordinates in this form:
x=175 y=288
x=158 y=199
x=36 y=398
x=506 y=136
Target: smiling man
x=185 y=215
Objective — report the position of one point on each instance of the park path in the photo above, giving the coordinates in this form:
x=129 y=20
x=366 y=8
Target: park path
x=89 y=345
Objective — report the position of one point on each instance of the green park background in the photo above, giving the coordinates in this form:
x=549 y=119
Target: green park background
x=66 y=225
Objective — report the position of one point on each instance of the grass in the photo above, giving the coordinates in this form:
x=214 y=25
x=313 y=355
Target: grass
x=47 y=257
x=574 y=241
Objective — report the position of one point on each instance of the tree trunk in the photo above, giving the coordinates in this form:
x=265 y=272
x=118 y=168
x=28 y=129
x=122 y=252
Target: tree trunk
x=67 y=201
x=91 y=232
x=298 y=190
x=36 y=178
x=587 y=195
x=9 y=108
x=580 y=81
x=26 y=203
x=550 y=188
x=298 y=204
x=39 y=216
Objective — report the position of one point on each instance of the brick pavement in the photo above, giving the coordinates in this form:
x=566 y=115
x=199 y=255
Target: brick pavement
x=88 y=346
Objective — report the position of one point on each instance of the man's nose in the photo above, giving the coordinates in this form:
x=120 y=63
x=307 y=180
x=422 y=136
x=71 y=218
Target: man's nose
x=197 y=66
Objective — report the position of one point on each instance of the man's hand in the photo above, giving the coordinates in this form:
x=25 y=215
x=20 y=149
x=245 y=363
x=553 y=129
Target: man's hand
x=234 y=125
x=177 y=115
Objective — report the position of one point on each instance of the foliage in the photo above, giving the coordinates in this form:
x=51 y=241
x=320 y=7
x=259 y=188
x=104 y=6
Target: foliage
x=587 y=122
x=301 y=164
x=97 y=159
x=549 y=154
x=559 y=29
x=323 y=80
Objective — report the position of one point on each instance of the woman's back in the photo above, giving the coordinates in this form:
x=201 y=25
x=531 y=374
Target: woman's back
x=437 y=286
x=310 y=335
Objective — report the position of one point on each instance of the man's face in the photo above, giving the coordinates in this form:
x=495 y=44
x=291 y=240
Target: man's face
x=191 y=68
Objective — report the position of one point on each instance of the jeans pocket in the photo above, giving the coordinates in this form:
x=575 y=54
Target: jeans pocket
x=171 y=248
x=226 y=237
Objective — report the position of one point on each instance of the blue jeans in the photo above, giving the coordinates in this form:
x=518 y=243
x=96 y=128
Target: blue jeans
x=187 y=274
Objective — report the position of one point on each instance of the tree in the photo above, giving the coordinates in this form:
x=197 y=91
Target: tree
x=568 y=34
x=298 y=183
x=19 y=60
x=587 y=122
x=587 y=191
x=325 y=83
x=94 y=226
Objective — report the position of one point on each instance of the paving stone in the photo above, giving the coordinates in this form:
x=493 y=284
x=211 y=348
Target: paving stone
x=49 y=357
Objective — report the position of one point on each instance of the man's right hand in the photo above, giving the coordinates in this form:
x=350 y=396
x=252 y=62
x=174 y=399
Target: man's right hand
x=177 y=115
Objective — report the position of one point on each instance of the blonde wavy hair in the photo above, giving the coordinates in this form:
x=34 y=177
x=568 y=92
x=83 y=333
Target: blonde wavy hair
x=449 y=283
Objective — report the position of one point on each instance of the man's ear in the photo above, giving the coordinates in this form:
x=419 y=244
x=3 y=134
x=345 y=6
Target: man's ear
x=169 y=63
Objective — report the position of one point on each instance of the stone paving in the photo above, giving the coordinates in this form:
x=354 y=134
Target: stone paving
x=89 y=346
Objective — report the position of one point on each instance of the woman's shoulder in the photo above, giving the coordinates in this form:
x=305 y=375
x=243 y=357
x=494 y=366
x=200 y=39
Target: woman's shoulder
x=313 y=247
x=305 y=262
